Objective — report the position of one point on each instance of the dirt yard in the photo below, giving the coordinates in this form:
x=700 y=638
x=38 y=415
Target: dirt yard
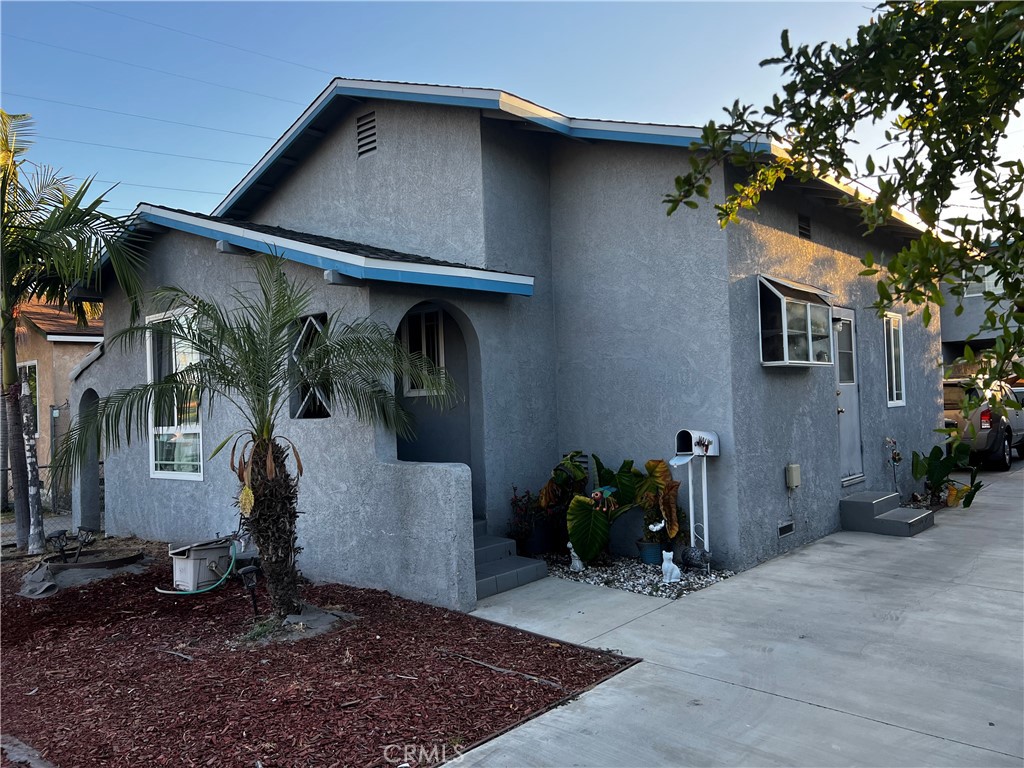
x=114 y=674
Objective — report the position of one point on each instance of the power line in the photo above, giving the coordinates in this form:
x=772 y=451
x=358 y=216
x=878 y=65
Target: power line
x=145 y=151
x=129 y=184
x=141 y=117
x=207 y=39
x=152 y=186
x=150 y=69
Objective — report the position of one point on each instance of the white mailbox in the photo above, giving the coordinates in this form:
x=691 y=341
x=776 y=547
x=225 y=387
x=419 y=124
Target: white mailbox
x=692 y=444
x=696 y=442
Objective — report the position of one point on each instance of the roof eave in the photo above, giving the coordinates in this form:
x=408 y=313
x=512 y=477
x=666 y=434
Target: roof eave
x=350 y=264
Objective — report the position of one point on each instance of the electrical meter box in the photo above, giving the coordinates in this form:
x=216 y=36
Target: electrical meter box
x=697 y=442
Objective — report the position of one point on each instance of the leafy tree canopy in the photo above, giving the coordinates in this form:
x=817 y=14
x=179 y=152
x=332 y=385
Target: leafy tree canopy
x=945 y=79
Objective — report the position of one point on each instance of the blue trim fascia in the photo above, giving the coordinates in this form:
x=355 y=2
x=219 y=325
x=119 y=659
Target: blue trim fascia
x=557 y=126
x=654 y=138
x=361 y=273
x=421 y=98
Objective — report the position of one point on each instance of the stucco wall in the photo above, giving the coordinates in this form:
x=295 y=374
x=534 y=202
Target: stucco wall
x=789 y=414
x=419 y=192
x=354 y=496
x=54 y=361
x=32 y=347
x=641 y=318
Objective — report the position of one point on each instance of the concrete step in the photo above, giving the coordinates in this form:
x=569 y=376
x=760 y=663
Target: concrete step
x=880 y=512
x=905 y=522
x=508 y=573
x=479 y=527
x=487 y=549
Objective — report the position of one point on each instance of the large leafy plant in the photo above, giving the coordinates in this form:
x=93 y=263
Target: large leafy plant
x=657 y=495
x=589 y=518
x=935 y=469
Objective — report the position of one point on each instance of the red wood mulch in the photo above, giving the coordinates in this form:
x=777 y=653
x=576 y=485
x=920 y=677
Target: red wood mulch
x=86 y=680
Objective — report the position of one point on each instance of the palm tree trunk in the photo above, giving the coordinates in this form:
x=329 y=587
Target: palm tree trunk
x=272 y=524
x=5 y=491
x=19 y=467
x=36 y=537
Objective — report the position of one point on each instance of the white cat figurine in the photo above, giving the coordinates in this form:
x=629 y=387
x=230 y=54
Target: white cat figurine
x=576 y=566
x=669 y=571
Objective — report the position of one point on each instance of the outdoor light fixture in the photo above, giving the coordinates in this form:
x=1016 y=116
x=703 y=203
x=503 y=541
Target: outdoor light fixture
x=248 y=575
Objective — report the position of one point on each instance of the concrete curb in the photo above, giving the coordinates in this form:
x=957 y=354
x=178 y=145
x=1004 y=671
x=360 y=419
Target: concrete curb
x=20 y=753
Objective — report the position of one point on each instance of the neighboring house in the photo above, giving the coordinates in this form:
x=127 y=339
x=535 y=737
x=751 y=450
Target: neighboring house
x=957 y=328
x=529 y=254
x=49 y=345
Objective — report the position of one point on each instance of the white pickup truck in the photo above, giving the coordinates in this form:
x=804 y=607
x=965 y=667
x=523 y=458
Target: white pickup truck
x=989 y=434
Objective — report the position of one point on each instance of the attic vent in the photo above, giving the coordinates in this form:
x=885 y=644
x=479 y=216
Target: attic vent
x=366 y=134
x=803 y=227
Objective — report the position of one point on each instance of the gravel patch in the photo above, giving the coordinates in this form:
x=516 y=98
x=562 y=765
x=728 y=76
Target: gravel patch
x=632 y=575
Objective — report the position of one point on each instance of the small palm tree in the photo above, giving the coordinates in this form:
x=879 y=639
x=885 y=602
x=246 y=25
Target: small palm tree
x=246 y=354
x=54 y=239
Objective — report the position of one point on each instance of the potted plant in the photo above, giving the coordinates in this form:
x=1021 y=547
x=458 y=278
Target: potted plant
x=568 y=479
x=528 y=524
x=656 y=494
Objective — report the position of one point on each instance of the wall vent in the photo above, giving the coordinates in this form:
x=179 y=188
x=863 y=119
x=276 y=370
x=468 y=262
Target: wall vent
x=366 y=133
x=785 y=529
x=803 y=227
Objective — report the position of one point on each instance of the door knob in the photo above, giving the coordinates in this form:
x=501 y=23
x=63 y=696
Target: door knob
x=840 y=410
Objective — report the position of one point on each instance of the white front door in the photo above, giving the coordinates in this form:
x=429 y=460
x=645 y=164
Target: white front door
x=851 y=461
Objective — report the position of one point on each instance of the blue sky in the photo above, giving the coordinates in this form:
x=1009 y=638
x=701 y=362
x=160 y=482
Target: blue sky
x=248 y=69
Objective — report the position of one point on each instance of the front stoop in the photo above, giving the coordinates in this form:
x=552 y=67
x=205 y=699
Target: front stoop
x=499 y=568
x=880 y=512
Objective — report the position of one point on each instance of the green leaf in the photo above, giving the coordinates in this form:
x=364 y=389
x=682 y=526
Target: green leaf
x=589 y=528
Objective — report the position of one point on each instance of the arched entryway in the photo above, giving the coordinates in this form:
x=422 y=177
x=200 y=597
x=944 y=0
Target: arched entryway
x=444 y=334
x=89 y=492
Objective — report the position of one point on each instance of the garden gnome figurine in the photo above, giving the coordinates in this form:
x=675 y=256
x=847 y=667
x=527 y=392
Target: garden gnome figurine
x=576 y=566
x=669 y=571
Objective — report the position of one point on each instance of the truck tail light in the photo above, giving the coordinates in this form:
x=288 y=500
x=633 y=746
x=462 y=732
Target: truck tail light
x=986 y=419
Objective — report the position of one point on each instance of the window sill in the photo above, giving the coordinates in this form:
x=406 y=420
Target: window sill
x=196 y=478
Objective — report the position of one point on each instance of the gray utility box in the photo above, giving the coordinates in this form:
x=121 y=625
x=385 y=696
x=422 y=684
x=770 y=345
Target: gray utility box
x=201 y=564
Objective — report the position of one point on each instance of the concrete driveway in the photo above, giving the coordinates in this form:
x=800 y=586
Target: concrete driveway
x=858 y=649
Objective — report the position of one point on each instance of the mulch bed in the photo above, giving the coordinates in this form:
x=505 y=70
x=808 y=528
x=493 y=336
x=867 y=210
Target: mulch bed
x=88 y=679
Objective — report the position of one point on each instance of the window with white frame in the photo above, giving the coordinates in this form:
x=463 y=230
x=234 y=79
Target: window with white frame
x=423 y=332
x=308 y=401
x=796 y=323
x=989 y=282
x=176 y=438
x=32 y=369
x=894 y=359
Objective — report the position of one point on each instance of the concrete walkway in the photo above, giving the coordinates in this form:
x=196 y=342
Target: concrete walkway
x=859 y=649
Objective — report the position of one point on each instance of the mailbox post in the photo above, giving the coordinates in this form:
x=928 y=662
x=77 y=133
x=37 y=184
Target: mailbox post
x=691 y=444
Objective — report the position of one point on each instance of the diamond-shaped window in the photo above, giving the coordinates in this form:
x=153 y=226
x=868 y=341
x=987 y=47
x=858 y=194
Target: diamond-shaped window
x=308 y=401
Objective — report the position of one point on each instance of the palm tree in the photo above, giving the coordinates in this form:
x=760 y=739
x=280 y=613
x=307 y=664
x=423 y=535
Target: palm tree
x=249 y=353
x=54 y=240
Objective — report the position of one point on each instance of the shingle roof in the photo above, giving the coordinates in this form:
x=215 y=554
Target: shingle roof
x=54 y=321
x=334 y=243
x=340 y=259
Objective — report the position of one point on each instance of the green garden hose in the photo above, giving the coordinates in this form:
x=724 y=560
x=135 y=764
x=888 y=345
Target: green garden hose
x=220 y=581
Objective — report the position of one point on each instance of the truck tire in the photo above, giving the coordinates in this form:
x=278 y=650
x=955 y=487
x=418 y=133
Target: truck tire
x=1004 y=457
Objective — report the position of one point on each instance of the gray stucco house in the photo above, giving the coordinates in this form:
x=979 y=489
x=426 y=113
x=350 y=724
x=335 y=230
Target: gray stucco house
x=529 y=253
x=961 y=330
